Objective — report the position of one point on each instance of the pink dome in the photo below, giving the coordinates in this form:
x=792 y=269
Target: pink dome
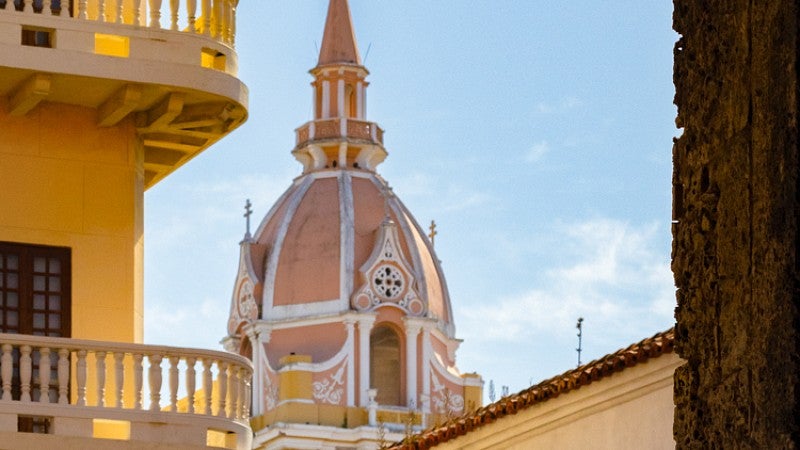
x=318 y=250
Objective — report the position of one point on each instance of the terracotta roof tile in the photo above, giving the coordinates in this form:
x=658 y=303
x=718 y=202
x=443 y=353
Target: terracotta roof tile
x=652 y=347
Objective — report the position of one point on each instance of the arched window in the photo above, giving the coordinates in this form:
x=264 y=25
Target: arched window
x=385 y=368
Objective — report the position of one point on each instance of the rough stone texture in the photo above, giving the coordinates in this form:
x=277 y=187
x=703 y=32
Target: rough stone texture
x=736 y=237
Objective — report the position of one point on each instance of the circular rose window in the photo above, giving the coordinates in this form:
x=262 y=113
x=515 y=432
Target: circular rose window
x=388 y=282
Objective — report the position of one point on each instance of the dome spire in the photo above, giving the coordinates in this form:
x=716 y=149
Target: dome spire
x=339 y=40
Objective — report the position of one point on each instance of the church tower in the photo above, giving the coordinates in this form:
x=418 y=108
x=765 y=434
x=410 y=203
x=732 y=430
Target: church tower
x=339 y=299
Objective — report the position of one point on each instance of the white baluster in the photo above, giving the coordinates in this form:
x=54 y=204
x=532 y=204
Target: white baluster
x=63 y=376
x=81 y=375
x=101 y=10
x=217 y=32
x=64 y=5
x=233 y=24
x=27 y=6
x=173 y=14
x=155 y=13
x=207 y=385
x=100 y=368
x=190 y=384
x=137 y=12
x=232 y=392
x=44 y=375
x=222 y=380
x=119 y=17
x=154 y=377
x=25 y=369
x=137 y=381
x=119 y=373
x=82 y=10
x=6 y=369
x=205 y=14
x=173 y=383
x=237 y=391
x=47 y=7
x=191 y=10
x=248 y=395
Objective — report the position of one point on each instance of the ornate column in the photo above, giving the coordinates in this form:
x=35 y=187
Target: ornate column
x=349 y=323
x=365 y=323
x=426 y=366
x=413 y=327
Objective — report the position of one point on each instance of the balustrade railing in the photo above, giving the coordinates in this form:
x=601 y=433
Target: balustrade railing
x=339 y=127
x=99 y=374
x=217 y=18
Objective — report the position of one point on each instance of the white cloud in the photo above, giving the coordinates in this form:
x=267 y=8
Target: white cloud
x=607 y=271
x=563 y=105
x=537 y=151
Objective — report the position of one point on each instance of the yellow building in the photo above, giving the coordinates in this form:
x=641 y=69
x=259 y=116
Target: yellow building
x=99 y=100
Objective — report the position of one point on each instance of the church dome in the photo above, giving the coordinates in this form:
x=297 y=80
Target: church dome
x=338 y=239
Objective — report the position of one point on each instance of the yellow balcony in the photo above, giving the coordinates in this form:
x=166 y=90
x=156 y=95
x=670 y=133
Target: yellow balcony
x=92 y=393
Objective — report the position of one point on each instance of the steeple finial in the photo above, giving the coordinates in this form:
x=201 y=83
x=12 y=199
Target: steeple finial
x=248 y=211
x=339 y=40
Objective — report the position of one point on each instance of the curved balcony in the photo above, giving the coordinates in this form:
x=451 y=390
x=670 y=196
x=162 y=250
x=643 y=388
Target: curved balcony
x=217 y=17
x=147 y=395
x=338 y=128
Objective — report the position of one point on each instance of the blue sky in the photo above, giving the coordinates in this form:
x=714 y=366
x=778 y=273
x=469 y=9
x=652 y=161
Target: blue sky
x=537 y=134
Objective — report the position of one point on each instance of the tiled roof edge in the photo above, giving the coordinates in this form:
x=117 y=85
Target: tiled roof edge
x=652 y=347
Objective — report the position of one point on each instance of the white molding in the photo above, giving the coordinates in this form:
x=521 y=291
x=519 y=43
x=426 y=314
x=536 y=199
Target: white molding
x=360 y=100
x=275 y=252
x=347 y=239
x=349 y=323
x=365 y=323
x=305 y=310
x=274 y=210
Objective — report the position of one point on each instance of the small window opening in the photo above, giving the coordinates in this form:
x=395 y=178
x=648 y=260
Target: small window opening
x=355 y=165
x=34 y=424
x=334 y=164
x=37 y=37
x=212 y=59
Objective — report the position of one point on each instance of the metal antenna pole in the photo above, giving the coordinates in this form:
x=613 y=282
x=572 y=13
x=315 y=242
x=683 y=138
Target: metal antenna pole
x=579 y=326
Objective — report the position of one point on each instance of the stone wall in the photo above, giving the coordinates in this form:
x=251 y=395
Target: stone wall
x=735 y=248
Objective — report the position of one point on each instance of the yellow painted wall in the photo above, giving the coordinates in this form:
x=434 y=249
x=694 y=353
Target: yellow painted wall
x=66 y=182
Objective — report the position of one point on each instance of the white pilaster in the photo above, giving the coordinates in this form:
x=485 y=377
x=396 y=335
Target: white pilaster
x=326 y=99
x=426 y=366
x=258 y=336
x=349 y=323
x=365 y=323
x=340 y=112
x=360 y=100
x=314 y=102
x=413 y=327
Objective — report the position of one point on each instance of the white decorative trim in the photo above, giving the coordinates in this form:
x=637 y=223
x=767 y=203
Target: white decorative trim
x=243 y=304
x=388 y=278
x=347 y=239
x=305 y=310
x=351 y=361
x=326 y=99
x=413 y=328
x=426 y=368
x=365 y=323
x=274 y=210
x=275 y=252
x=330 y=390
x=444 y=401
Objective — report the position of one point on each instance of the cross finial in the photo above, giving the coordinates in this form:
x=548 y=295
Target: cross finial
x=433 y=232
x=247 y=213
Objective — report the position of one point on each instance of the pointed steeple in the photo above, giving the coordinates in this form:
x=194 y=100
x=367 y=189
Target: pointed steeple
x=339 y=136
x=339 y=40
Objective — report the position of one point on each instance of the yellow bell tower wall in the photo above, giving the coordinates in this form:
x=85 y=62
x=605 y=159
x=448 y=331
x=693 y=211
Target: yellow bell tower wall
x=69 y=183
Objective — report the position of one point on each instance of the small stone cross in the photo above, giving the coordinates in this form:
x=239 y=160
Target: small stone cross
x=247 y=213
x=433 y=233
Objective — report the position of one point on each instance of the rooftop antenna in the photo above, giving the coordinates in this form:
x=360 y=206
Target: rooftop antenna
x=366 y=55
x=248 y=211
x=579 y=326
